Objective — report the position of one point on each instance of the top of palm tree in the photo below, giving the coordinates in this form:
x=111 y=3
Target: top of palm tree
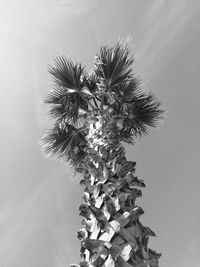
x=114 y=66
x=79 y=96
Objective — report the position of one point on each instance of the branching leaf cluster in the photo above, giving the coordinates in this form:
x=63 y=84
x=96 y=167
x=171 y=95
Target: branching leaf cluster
x=77 y=95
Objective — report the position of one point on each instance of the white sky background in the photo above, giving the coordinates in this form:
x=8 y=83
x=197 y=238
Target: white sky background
x=39 y=198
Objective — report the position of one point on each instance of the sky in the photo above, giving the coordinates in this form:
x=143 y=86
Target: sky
x=39 y=198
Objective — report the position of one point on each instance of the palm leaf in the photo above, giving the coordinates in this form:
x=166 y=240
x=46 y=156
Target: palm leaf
x=76 y=158
x=65 y=142
x=129 y=90
x=65 y=105
x=125 y=136
x=113 y=65
x=70 y=93
x=125 y=93
x=91 y=82
x=143 y=111
x=67 y=74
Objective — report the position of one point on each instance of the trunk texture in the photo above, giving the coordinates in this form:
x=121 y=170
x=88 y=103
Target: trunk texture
x=112 y=234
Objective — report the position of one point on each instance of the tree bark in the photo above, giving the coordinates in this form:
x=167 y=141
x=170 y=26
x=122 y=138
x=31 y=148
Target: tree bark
x=112 y=234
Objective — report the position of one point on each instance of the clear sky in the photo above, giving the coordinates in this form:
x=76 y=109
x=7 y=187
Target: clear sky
x=39 y=198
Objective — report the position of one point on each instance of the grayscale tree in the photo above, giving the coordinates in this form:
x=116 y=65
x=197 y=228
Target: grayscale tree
x=94 y=114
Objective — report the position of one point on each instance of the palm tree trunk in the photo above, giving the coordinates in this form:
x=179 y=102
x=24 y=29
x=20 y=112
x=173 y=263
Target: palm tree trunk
x=112 y=234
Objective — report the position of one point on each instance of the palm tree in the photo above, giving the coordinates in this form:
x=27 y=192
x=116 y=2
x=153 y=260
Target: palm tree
x=93 y=114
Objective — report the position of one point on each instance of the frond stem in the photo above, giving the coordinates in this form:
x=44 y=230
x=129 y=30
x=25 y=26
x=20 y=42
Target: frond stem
x=90 y=104
x=95 y=102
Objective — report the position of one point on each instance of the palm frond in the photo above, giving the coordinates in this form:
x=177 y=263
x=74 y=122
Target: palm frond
x=143 y=111
x=91 y=82
x=70 y=93
x=76 y=158
x=63 y=142
x=113 y=65
x=65 y=105
x=124 y=94
x=129 y=90
x=125 y=136
x=67 y=74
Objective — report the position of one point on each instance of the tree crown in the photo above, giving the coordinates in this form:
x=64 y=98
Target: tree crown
x=110 y=91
